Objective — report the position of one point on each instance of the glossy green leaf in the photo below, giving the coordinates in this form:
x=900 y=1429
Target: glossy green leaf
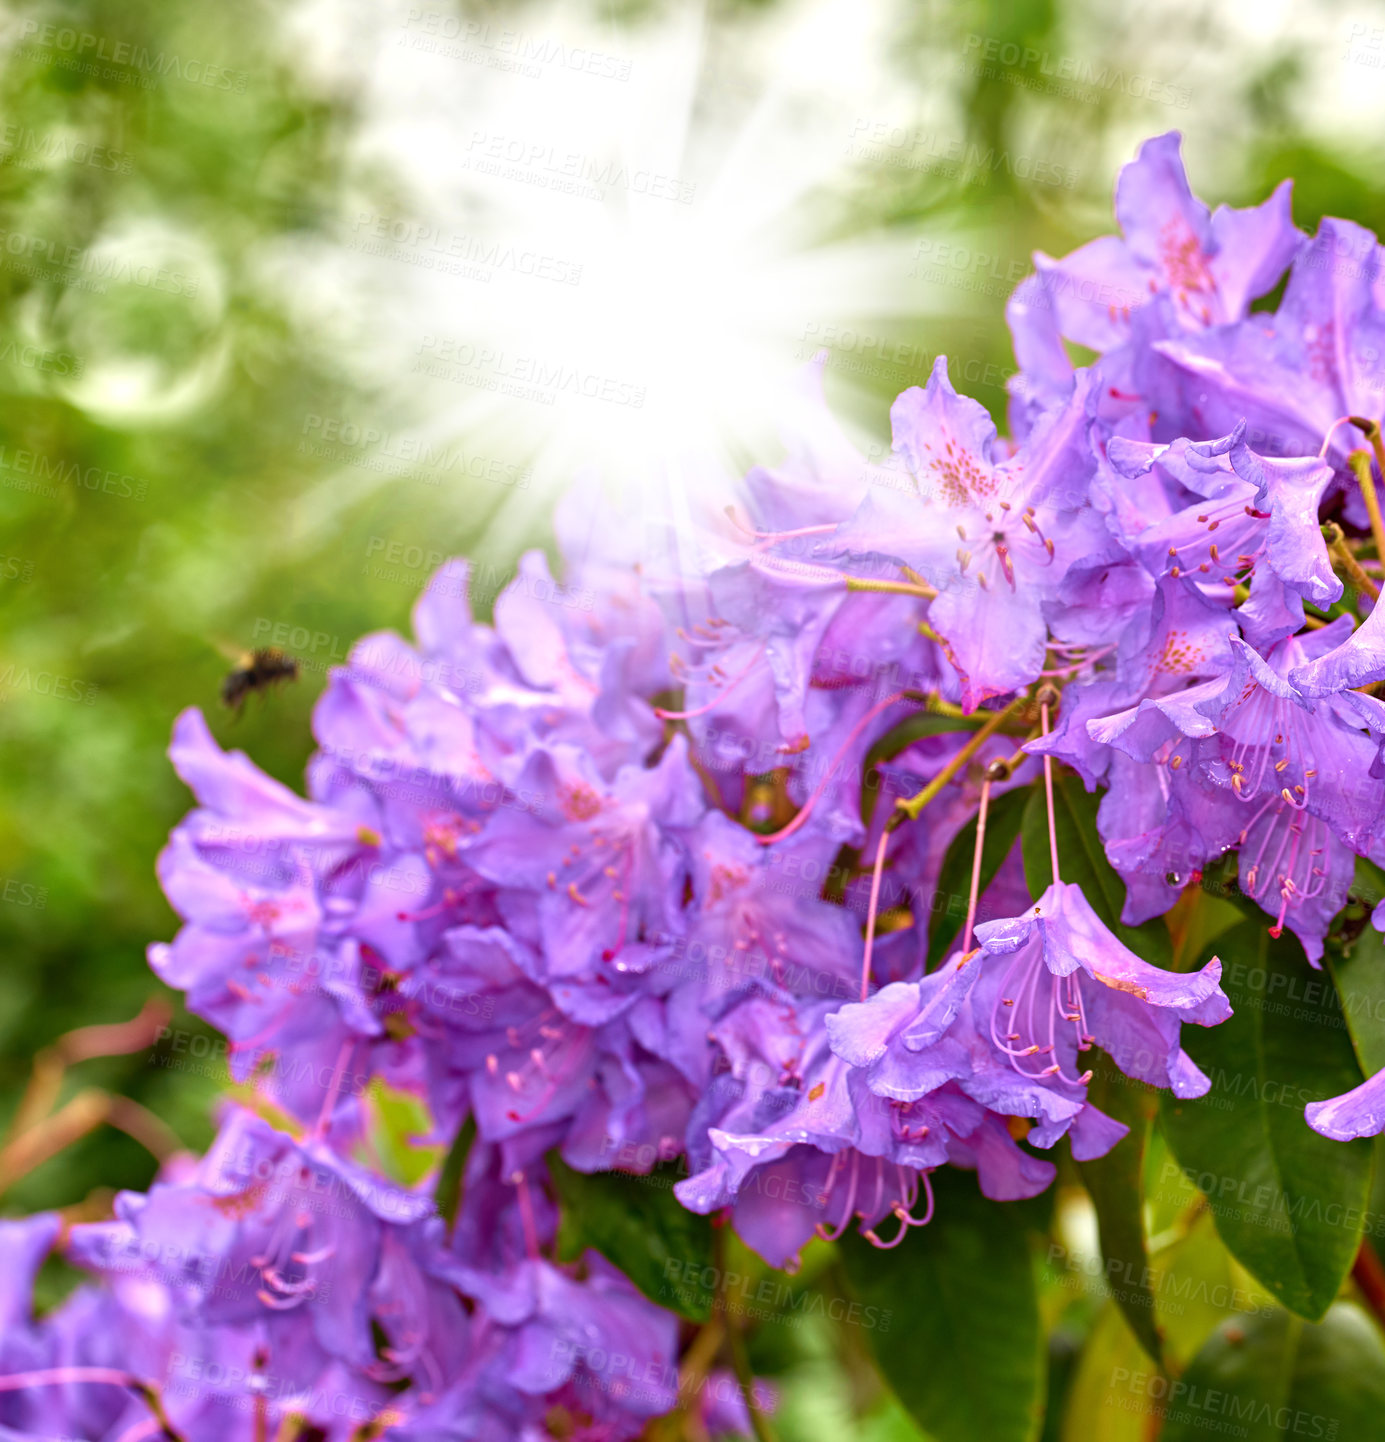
x=1082 y=859
x=1111 y=1351
x=1359 y=977
x=1003 y=818
x=1115 y=1184
x=956 y=1328
x=640 y=1226
x=1289 y=1204
x=1270 y=1376
x=1198 y=1284
x=1368 y=882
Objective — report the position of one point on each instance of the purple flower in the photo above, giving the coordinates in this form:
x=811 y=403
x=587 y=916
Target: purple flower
x=1209 y=266
x=280 y=1234
x=1178 y=637
x=1295 y=765
x=591 y=872
x=801 y=1144
x=543 y=1340
x=996 y=537
x=756 y=923
x=1006 y=1023
x=1069 y=983
x=1248 y=519
x=1293 y=374
x=760 y=615
x=23 y=1246
x=1357 y=1113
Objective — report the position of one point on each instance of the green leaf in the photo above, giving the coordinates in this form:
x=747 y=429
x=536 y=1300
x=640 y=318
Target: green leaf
x=1115 y=1184
x=899 y=738
x=1110 y=1351
x=1082 y=859
x=956 y=1330
x=1368 y=882
x=1271 y=1376
x=1198 y=1285
x=448 y=1191
x=1003 y=818
x=1288 y=1203
x=1359 y=977
x=395 y=1119
x=640 y=1226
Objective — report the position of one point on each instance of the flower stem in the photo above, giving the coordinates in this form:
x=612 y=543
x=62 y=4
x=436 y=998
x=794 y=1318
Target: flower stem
x=1371 y=429
x=877 y=871
x=1341 y=554
x=740 y=1358
x=324 y=1117
x=1046 y=697
x=1360 y=462
x=976 y=863
x=910 y=808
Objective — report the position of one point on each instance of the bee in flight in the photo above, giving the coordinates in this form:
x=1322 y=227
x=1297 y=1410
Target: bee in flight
x=256 y=671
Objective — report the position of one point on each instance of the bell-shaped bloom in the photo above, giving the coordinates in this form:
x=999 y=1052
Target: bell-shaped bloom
x=295 y=913
x=801 y=1145
x=1180 y=636
x=1068 y=983
x=1209 y=265
x=1297 y=765
x=911 y=1039
x=1291 y=375
x=278 y=1233
x=756 y=923
x=1357 y=660
x=994 y=536
x=1007 y=1023
x=1249 y=520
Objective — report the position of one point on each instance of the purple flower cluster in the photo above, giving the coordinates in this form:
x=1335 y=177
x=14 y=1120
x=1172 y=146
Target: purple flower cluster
x=650 y=880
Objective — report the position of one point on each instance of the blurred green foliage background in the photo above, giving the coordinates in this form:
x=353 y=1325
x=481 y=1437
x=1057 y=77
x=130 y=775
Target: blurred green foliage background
x=166 y=208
